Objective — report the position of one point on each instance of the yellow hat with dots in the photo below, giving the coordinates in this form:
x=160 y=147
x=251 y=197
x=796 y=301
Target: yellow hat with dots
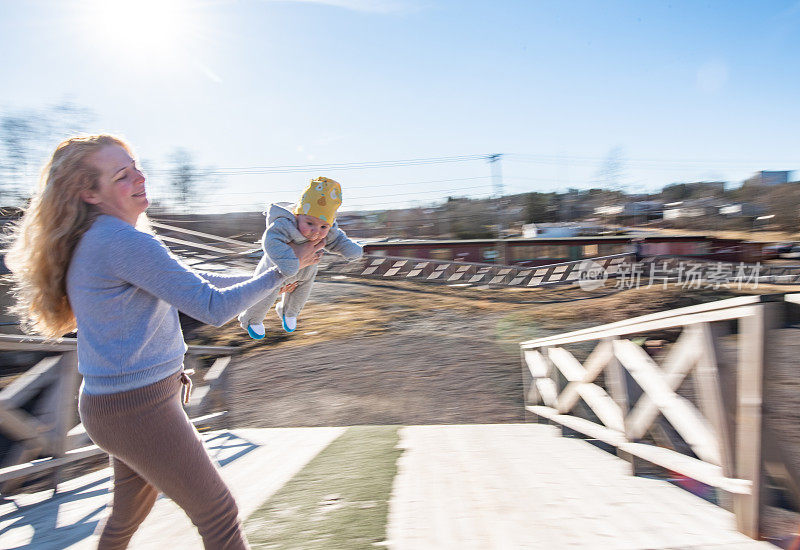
x=321 y=199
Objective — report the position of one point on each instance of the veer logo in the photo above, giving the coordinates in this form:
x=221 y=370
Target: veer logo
x=591 y=275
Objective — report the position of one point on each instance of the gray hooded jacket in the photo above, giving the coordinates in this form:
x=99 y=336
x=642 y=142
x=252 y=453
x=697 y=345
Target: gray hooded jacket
x=282 y=229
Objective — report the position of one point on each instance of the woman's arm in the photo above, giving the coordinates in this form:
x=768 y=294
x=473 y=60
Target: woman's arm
x=143 y=261
x=221 y=280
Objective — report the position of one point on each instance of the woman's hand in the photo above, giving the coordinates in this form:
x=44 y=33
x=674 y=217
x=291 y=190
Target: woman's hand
x=289 y=287
x=308 y=253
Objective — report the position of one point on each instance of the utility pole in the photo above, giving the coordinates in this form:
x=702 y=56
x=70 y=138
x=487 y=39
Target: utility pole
x=497 y=184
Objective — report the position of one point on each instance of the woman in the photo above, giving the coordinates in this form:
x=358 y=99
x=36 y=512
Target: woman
x=79 y=262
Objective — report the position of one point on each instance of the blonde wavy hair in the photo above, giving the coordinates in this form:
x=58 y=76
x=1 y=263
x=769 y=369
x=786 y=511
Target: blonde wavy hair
x=43 y=241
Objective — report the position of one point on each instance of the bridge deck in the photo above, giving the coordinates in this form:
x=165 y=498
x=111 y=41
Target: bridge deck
x=517 y=486
x=522 y=486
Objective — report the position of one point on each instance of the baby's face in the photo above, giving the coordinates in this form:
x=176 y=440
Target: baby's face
x=312 y=228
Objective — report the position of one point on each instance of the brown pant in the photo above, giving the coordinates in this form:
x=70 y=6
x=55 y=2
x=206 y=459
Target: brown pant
x=154 y=447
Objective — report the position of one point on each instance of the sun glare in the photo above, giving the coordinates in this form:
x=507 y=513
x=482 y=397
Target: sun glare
x=141 y=30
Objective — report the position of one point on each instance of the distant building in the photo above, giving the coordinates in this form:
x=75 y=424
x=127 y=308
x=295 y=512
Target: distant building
x=683 y=212
x=558 y=230
x=691 y=209
x=632 y=211
x=542 y=230
x=360 y=224
x=643 y=208
x=613 y=210
x=767 y=177
x=741 y=209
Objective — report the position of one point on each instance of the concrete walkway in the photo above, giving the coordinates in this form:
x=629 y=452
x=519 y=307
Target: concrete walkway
x=255 y=463
x=502 y=486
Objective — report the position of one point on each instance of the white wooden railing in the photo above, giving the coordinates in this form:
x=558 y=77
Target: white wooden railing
x=722 y=440
x=38 y=409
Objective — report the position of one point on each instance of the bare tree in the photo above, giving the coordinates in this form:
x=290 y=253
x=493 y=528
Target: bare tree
x=27 y=138
x=17 y=135
x=612 y=170
x=186 y=179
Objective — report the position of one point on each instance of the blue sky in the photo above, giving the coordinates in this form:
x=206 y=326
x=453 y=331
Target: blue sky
x=682 y=91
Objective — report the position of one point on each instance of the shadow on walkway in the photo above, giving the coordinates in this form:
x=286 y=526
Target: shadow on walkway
x=72 y=513
x=220 y=446
x=42 y=518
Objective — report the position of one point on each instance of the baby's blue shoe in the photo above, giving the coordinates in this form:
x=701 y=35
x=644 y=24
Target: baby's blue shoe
x=289 y=323
x=256 y=332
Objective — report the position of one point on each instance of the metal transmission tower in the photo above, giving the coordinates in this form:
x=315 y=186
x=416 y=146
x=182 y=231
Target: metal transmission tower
x=497 y=183
x=497 y=173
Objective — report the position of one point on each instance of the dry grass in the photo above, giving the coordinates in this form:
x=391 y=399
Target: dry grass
x=373 y=311
x=379 y=307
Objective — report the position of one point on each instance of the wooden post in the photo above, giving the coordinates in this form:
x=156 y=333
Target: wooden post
x=54 y=413
x=65 y=408
x=617 y=384
x=527 y=384
x=541 y=388
x=706 y=375
x=728 y=384
x=753 y=347
x=559 y=383
x=615 y=381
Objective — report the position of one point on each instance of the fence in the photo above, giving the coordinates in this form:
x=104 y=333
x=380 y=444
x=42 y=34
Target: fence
x=208 y=250
x=203 y=249
x=38 y=409
x=448 y=272
x=715 y=435
x=593 y=272
x=684 y=269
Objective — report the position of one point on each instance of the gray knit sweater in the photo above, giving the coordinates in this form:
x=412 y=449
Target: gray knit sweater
x=125 y=288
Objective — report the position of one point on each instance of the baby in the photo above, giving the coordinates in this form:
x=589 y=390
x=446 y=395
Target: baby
x=312 y=218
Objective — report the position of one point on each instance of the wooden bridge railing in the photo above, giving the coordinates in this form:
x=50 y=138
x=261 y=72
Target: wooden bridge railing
x=38 y=409
x=713 y=431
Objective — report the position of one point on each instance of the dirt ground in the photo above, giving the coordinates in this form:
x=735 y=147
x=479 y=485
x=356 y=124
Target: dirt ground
x=383 y=353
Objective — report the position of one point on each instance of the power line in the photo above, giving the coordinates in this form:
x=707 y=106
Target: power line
x=346 y=207
x=298 y=190
x=283 y=169
x=260 y=197
x=359 y=197
x=557 y=159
